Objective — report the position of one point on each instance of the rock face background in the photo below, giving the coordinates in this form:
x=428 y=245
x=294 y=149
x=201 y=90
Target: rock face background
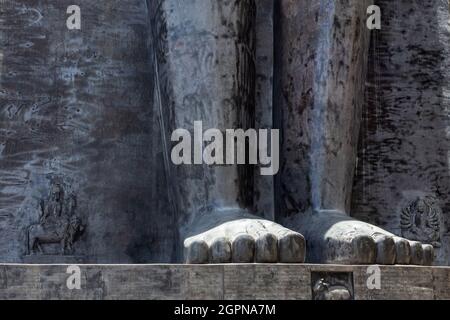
x=79 y=109
x=104 y=150
x=264 y=185
x=404 y=143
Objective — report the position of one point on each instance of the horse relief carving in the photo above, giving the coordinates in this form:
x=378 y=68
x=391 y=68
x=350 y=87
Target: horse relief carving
x=323 y=290
x=421 y=221
x=58 y=226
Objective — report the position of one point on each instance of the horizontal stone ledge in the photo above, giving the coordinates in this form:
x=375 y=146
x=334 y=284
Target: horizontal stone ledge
x=223 y=282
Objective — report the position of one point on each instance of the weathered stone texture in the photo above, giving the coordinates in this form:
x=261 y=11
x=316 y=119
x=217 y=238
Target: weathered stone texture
x=76 y=106
x=399 y=283
x=404 y=147
x=218 y=282
x=90 y=113
x=283 y=282
x=319 y=72
x=264 y=201
x=101 y=282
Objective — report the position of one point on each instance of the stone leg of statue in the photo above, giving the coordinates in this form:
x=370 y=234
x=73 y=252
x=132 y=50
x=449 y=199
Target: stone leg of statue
x=205 y=65
x=319 y=74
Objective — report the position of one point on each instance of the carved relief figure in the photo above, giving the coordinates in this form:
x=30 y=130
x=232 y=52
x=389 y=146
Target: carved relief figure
x=58 y=223
x=323 y=290
x=421 y=221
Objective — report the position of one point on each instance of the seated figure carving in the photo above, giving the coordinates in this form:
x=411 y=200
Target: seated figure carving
x=58 y=223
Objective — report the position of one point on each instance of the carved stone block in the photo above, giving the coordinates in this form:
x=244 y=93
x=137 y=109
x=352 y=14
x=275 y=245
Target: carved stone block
x=332 y=285
x=421 y=221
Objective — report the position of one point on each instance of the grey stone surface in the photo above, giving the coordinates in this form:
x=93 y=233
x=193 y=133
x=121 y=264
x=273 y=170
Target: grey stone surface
x=90 y=114
x=206 y=72
x=222 y=282
x=206 y=66
x=319 y=94
x=441 y=278
x=83 y=116
x=102 y=282
x=264 y=195
x=284 y=282
x=76 y=107
x=401 y=283
x=319 y=76
x=402 y=181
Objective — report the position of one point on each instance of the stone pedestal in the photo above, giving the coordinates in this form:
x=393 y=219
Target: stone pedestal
x=51 y=258
x=223 y=282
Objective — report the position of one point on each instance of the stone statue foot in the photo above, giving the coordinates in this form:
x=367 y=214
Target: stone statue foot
x=333 y=237
x=236 y=237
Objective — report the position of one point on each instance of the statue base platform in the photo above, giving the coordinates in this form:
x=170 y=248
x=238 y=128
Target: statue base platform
x=49 y=259
x=223 y=282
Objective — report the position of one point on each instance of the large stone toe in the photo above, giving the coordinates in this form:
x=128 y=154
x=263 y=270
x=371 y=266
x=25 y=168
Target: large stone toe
x=220 y=251
x=291 y=248
x=196 y=252
x=243 y=249
x=386 y=253
x=428 y=254
x=416 y=253
x=403 y=251
x=365 y=249
x=266 y=248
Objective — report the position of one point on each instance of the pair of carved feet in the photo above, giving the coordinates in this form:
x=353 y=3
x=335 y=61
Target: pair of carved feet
x=331 y=237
